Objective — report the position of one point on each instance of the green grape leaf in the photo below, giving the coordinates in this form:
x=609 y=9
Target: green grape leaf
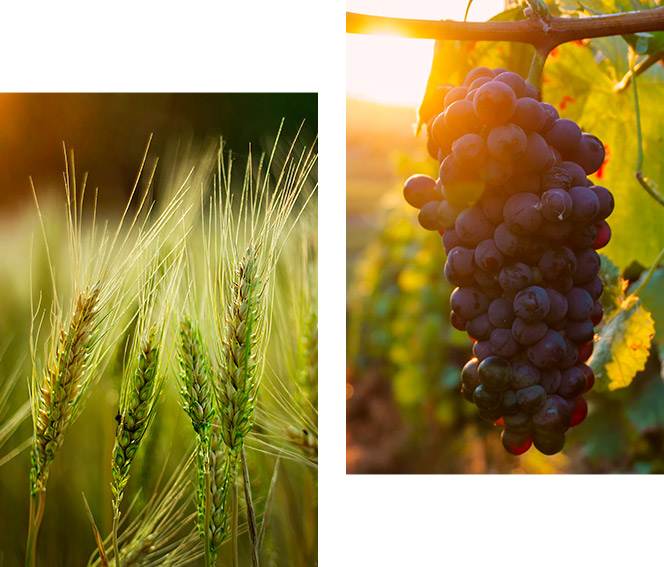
x=614 y=287
x=580 y=83
x=647 y=409
x=623 y=345
x=653 y=300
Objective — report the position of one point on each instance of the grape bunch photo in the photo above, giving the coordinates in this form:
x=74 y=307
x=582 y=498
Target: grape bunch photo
x=505 y=239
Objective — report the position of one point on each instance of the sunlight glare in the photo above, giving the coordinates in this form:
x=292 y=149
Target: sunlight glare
x=394 y=70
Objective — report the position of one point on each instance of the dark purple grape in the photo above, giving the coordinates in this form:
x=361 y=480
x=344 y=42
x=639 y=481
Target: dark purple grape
x=470 y=151
x=494 y=103
x=515 y=276
x=514 y=81
x=428 y=217
x=461 y=260
x=582 y=236
x=557 y=263
x=550 y=380
x=477 y=73
x=502 y=343
x=571 y=354
x=524 y=375
x=535 y=247
x=476 y=84
x=442 y=137
x=573 y=382
x=480 y=328
x=597 y=314
x=555 y=230
x=556 y=204
x=516 y=442
x=454 y=94
x=507 y=142
x=472 y=226
x=603 y=235
x=548 y=443
x=527 y=334
x=488 y=281
x=529 y=115
x=469 y=302
x=420 y=190
x=554 y=417
x=556 y=178
x=580 y=332
x=520 y=421
x=537 y=156
x=589 y=154
x=524 y=182
x=495 y=373
x=606 y=201
x=469 y=378
x=564 y=135
x=457 y=279
x=531 y=92
x=594 y=287
x=588 y=266
x=492 y=203
x=460 y=118
x=451 y=240
x=509 y=404
x=460 y=187
x=532 y=304
x=585 y=204
x=490 y=416
x=446 y=214
x=482 y=350
x=558 y=306
x=510 y=243
x=495 y=173
x=485 y=399
x=575 y=171
x=488 y=257
x=521 y=213
x=550 y=115
x=580 y=304
x=549 y=351
x=457 y=321
x=531 y=399
x=501 y=313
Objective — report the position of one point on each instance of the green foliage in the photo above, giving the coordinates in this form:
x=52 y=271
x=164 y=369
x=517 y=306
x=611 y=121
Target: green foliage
x=623 y=345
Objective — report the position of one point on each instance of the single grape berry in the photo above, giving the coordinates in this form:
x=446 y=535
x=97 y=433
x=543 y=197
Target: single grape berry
x=516 y=442
x=531 y=399
x=547 y=442
x=419 y=190
x=495 y=373
x=494 y=103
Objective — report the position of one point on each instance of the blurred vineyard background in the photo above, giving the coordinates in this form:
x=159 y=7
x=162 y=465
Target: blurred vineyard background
x=109 y=134
x=405 y=413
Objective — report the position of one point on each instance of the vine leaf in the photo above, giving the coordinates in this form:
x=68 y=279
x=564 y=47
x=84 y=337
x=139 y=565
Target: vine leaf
x=614 y=287
x=623 y=346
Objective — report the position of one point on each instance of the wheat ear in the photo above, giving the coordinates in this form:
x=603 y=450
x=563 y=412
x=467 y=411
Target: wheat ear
x=56 y=399
x=213 y=470
x=137 y=406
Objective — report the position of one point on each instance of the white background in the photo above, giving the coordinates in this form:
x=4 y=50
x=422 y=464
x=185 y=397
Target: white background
x=300 y=46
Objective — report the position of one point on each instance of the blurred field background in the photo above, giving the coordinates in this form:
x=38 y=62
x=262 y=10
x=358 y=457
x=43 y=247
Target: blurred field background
x=109 y=134
x=405 y=413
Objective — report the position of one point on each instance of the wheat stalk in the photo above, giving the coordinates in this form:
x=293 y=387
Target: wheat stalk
x=213 y=469
x=137 y=405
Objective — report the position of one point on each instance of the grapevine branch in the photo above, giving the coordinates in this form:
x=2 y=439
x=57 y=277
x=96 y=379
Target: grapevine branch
x=543 y=34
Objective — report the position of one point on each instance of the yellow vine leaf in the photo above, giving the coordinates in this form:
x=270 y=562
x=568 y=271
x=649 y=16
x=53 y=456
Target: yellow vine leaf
x=623 y=345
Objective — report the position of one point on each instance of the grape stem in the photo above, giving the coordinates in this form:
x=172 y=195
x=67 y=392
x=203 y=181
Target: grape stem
x=644 y=182
x=639 y=68
x=535 y=31
x=536 y=68
x=651 y=271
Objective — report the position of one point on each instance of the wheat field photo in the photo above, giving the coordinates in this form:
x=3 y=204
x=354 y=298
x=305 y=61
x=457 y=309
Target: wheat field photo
x=159 y=338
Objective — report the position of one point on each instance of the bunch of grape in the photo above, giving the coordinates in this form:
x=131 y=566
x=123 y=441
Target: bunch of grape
x=520 y=223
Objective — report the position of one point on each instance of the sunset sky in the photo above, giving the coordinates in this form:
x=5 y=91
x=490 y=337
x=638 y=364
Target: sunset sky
x=394 y=70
